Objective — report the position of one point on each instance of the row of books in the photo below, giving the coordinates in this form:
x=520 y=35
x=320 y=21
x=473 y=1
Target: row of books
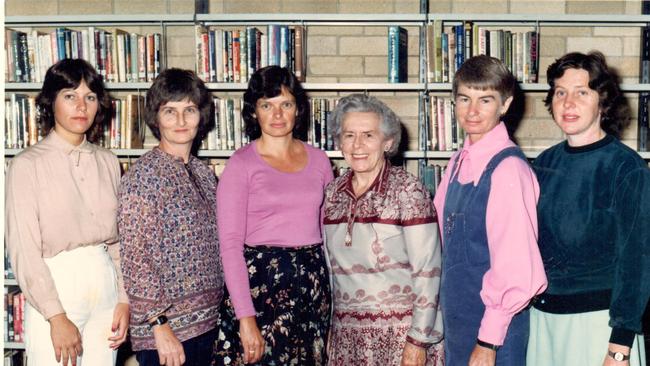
x=233 y=55
x=449 y=46
x=126 y=130
x=14 y=358
x=229 y=132
x=119 y=56
x=431 y=175
x=14 y=315
x=442 y=133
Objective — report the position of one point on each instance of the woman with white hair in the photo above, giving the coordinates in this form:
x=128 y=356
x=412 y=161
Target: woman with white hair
x=382 y=240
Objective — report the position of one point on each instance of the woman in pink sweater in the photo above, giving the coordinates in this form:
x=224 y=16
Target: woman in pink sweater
x=277 y=310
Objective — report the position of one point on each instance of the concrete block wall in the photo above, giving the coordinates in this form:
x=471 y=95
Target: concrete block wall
x=358 y=53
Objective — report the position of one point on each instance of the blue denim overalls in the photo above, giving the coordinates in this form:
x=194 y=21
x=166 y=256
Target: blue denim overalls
x=465 y=259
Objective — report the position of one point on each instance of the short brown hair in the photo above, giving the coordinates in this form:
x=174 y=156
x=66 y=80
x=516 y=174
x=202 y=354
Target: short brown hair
x=484 y=72
x=175 y=85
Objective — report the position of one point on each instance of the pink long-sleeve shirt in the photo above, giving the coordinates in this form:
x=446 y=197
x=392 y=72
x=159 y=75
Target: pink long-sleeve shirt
x=259 y=205
x=516 y=272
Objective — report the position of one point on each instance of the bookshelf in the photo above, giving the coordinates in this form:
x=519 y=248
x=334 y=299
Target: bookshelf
x=420 y=86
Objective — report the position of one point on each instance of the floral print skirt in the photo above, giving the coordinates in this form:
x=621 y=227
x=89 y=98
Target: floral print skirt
x=291 y=294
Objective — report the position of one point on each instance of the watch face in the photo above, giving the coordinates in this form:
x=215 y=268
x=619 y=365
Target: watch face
x=618 y=356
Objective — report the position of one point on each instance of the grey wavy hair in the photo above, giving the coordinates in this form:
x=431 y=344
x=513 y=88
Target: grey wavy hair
x=390 y=125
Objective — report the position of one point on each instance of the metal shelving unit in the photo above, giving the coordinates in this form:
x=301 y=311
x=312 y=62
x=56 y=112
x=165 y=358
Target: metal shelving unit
x=330 y=19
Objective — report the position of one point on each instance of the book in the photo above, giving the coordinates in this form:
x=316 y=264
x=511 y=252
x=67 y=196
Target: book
x=300 y=66
x=397 y=54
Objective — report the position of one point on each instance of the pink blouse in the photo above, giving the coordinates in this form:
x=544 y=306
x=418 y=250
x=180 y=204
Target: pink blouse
x=516 y=271
x=260 y=205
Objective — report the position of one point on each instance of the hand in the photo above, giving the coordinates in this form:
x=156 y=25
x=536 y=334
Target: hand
x=609 y=361
x=66 y=339
x=482 y=356
x=120 y=325
x=170 y=349
x=251 y=340
x=413 y=355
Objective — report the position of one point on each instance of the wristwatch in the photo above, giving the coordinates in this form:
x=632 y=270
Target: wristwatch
x=159 y=320
x=487 y=345
x=618 y=356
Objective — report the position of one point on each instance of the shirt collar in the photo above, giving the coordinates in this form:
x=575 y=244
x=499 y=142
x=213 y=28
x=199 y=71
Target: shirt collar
x=476 y=156
x=378 y=185
x=53 y=139
x=172 y=158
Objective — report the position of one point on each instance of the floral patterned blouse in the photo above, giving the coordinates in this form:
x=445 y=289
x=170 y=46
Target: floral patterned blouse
x=169 y=246
x=385 y=259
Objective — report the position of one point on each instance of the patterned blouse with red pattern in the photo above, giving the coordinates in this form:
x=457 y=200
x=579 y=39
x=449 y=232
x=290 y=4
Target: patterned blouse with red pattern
x=385 y=259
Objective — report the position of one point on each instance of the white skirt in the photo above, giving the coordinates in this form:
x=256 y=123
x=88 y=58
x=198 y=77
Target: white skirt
x=574 y=339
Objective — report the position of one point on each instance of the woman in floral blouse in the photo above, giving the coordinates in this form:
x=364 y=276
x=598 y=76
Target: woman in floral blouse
x=168 y=232
x=382 y=240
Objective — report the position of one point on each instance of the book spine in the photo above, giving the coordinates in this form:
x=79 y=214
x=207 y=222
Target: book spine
x=468 y=40
x=230 y=48
x=460 y=45
x=300 y=69
x=198 y=48
x=24 y=57
x=243 y=56
x=251 y=34
x=9 y=60
x=219 y=55
x=16 y=56
x=393 y=54
x=142 y=57
x=236 y=56
x=403 y=55
x=212 y=55
x=284 y=47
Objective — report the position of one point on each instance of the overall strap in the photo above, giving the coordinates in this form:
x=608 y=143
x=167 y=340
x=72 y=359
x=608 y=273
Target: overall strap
x=497 y=159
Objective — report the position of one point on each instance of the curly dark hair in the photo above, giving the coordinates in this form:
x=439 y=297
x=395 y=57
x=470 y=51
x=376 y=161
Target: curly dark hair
x=175 y=85
x=615 y=112
x=68 y=74
x=268 y=82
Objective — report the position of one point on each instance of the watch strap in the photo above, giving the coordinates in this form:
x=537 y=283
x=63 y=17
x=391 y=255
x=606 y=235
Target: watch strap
x=159 y=320
x=491 y=346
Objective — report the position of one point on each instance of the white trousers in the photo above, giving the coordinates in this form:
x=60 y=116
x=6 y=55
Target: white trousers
x=86 y=282
x=573 y=340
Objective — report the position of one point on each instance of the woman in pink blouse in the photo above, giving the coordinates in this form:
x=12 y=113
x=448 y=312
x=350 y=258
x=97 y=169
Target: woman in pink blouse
x=61 y=228
x=382 y=240
x=269 y=215
x=491 y=266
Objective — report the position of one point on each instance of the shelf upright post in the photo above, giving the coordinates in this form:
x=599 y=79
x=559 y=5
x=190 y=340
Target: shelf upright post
x=643 y=133
x=163 y=45
x=422 y=94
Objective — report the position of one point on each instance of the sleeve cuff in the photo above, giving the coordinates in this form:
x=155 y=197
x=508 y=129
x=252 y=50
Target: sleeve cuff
x=415 y=342
x=621 y=336
x=51 y=309
x=494 y=326
x=122 y=296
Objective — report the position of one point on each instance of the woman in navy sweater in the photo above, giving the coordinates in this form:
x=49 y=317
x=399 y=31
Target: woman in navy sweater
x=594 y=225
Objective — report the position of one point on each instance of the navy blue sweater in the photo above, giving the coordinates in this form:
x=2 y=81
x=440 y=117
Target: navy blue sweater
x=594 y=232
